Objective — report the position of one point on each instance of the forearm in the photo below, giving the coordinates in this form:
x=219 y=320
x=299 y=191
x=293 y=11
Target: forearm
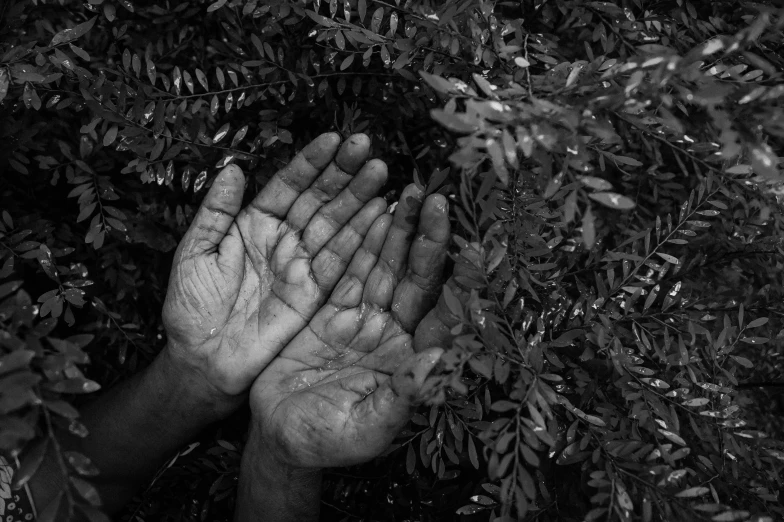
x=133 y=429
x=272 y=492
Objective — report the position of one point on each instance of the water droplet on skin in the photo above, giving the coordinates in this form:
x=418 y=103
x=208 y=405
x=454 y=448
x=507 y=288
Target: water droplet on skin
x=212 y=331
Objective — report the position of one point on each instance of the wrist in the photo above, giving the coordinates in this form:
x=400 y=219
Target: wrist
x=191 y=388
x=273 y=490
x=266 y=458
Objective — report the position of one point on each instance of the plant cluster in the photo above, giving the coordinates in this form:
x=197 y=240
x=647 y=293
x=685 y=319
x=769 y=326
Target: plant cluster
x=615 y=177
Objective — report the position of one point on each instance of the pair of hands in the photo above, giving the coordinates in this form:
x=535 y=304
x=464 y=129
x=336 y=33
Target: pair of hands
x=314 y=299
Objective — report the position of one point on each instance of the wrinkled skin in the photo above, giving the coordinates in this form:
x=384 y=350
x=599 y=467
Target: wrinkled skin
x=246 y=281
x=345 y=385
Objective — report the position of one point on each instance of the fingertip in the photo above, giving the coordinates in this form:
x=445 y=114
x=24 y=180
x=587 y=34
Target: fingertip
x=225 y=194
x=328 y=138
x=439 y=202
x=434 y=354
x=412 y=190
x=321 y=150
x=381 y=227
x=434 y=207
x=428 y=360
x=379 y=204
x=359 y=139
x=231 y=175
x=435 y=218
x=353 y=153
x=384 y=220
x=377 y=169
x=410 y=204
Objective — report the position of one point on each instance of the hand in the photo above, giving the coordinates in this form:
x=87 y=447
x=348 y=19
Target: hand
x=244 y=282
x=345 y=385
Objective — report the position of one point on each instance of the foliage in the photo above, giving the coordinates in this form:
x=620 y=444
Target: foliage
x=614 y=174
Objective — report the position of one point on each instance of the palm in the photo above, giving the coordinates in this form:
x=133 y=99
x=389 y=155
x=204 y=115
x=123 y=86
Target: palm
x=242 y=287
x=343 y=387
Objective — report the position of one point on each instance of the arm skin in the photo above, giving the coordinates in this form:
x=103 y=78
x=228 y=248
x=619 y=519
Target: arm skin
x=133 y=429
x=243 y=283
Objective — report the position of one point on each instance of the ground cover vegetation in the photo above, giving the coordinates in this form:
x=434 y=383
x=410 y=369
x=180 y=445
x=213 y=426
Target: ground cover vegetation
x=614 y=175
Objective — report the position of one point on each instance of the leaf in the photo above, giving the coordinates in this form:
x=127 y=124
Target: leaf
x=742 y=361
x=739 y=169
x=50 y=512
x=455 y=122
x=596 y=421
x=216 y=5
x=470 y=509
x=110 y=136
x=410 y=459
x=86 y=212
x=222 y=132
x=74 y=385
x=472 y=456
x=701 y=401
x=81 y=53
x=81 y=464
x=754 y=340
x=567 y=338
x=693 y=492
x=627 y=161
x=375 y=21
x=485 y=86
x=613 y=200
x=346 y=63
x=15 y=360
x=362 y=9
x=757 y=322
x=667 y=257
x=68 y=35
x=589 y=229
x=202 y=79
x=86 y=490
x=553 y=185
x=503 y=405
x=595 y=183
x=731 y=516
x=4 y=82
x=321 y=20
x=482 y=500
x=30 y=463
x=674 y=437
x=764 y=162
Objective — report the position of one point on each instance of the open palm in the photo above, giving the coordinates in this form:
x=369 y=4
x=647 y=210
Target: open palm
x=344 y=386
x=244 y=282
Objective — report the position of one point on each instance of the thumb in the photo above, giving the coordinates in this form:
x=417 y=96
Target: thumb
x=216 y=213
x=395 y=399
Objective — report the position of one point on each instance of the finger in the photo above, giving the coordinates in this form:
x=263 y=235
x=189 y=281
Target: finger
x=287 y=184
x=336 y=324
x=394 y=401
x=349 y=159
x=216 y=213
x=392 y=261
x=333 y=215
x=398 y=243
x=419 y=290
x=435 y=328
x=331 y=262
x=348 y=292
